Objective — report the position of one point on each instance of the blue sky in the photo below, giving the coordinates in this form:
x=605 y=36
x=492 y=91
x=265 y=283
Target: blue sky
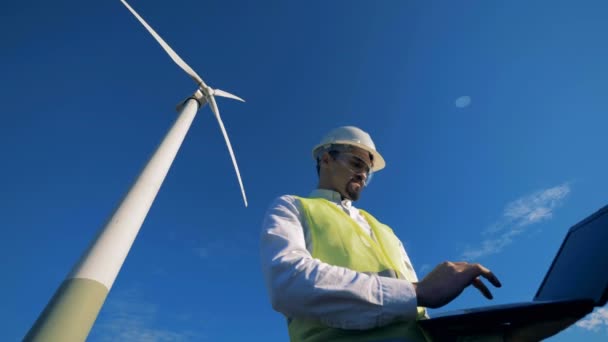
x=491 y=117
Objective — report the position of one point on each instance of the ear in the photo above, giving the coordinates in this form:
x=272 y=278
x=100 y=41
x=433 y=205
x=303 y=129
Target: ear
x=325 y=159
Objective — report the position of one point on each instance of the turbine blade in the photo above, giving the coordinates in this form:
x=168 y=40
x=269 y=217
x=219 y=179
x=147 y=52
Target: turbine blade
x=216 y=111
x=177 y=59
x=220 y=92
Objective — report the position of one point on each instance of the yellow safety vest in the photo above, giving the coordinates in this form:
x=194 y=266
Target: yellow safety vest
x=338 y=240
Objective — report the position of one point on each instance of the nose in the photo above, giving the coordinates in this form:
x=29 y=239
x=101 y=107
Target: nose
x=362 y=175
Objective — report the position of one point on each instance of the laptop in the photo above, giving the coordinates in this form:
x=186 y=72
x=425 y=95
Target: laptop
x=576 y=282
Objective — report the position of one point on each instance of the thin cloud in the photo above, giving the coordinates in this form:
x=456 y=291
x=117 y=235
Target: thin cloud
x=462 y=102
x=127 y=317
x=516 y=217
x=595 y=320
x=202 y=252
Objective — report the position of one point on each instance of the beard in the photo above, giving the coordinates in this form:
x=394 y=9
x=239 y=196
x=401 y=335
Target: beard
x=353 y=189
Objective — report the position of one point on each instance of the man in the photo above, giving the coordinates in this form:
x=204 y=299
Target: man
x=339 y=274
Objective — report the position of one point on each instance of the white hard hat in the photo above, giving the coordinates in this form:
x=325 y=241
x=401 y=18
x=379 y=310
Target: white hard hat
x=353 y=136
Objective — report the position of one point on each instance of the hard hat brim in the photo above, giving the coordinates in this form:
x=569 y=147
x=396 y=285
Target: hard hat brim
x=379 y=162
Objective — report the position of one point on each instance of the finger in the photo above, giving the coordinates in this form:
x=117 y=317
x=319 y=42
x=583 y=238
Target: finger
x=482 y=288
x=486 y=273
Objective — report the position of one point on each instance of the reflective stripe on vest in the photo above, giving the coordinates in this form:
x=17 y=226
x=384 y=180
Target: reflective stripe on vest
x=338 y=240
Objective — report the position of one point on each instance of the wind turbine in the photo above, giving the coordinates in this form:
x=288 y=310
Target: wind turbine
x=72 y=310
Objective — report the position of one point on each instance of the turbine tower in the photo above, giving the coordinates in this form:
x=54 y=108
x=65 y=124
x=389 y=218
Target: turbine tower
x=72 y=310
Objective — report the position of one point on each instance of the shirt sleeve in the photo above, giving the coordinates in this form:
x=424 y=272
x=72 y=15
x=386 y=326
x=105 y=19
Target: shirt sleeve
x=300 y=286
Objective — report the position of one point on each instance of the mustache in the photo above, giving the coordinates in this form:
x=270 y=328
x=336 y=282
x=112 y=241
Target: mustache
x=358 y=179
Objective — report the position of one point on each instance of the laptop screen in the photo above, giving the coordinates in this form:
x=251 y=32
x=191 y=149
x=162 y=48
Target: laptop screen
x=580 y=269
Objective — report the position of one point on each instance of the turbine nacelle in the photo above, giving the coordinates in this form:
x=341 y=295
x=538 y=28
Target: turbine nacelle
x=202 y=96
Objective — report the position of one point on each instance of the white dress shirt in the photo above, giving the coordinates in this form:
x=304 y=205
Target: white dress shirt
x=303 y=287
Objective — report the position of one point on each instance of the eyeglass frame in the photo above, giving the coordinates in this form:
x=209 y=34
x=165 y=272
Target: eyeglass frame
x=366 y=168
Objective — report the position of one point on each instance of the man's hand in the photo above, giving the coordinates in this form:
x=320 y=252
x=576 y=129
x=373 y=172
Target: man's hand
x=449 y=279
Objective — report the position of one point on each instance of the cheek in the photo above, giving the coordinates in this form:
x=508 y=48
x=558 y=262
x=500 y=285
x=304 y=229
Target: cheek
x=339 y=178
x=345 y=180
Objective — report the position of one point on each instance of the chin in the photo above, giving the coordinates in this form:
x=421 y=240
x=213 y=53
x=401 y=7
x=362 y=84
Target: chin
x=353 y=196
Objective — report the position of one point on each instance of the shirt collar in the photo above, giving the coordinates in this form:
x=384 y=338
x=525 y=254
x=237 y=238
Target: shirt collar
x=331 y=195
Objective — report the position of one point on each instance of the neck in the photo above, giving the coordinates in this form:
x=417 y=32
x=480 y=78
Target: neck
x=322 y=186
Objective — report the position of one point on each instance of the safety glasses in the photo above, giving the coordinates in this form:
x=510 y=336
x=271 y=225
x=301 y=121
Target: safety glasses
x=355 y=165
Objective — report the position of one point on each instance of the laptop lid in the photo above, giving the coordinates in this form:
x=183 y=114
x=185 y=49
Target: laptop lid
x=580 y=268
